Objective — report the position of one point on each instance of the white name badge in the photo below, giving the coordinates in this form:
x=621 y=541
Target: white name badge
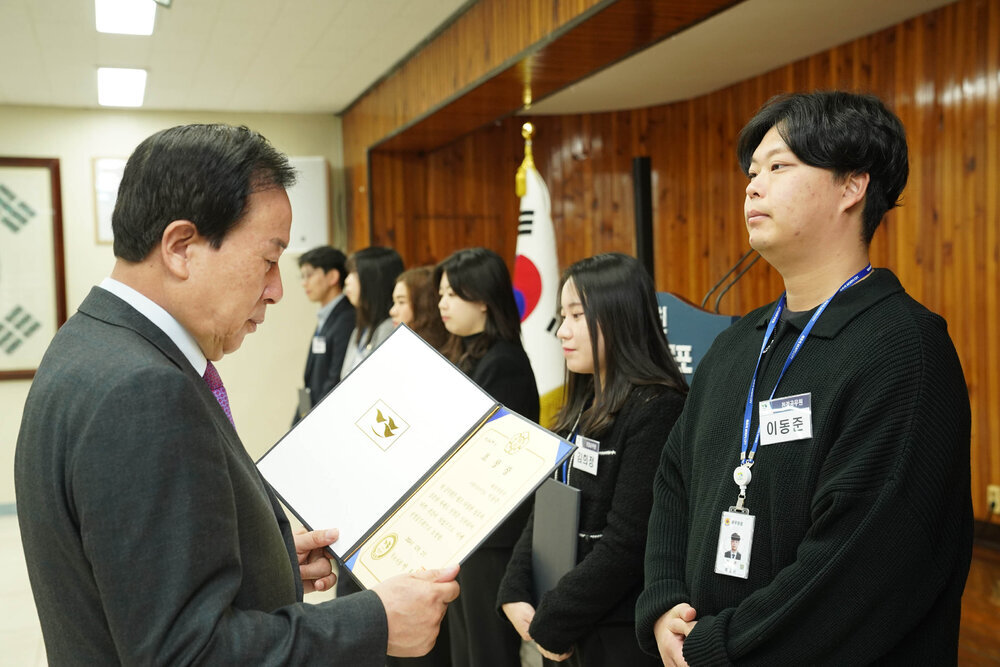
x=732 y=554
x=586 y=456
x=319 y=345
x=786 y=419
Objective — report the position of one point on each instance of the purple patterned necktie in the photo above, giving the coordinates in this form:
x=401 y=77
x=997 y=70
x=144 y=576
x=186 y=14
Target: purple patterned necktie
x=214 y=383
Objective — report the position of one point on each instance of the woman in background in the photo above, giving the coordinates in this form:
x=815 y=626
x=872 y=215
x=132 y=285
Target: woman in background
x=371 y=274
x=414 y=303
x=625 y=392
x=478 y=310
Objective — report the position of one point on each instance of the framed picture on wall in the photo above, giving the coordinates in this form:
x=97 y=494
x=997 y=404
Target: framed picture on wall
x=32 y=268
x=107 y=175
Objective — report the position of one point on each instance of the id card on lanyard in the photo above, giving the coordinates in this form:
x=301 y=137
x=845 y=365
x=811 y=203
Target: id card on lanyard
x=742 y=475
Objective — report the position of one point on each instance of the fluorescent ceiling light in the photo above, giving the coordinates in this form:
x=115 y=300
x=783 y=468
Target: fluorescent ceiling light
x=118 y=87
x=125 y=17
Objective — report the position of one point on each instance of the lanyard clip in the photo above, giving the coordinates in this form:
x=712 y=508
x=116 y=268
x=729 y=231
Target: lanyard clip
x=742 y=477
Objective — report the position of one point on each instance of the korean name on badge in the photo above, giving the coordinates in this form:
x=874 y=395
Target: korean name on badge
x=586 y=456
x=786 y=419
x=319 y=345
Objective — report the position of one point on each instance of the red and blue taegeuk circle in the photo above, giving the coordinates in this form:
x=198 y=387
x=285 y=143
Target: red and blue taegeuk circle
x=527 y=286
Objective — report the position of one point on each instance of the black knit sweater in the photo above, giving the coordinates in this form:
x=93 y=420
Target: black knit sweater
x=614 y=509
x=504 y=373
x=863 y=533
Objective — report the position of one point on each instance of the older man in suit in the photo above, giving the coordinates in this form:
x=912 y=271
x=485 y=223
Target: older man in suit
x=149 y=535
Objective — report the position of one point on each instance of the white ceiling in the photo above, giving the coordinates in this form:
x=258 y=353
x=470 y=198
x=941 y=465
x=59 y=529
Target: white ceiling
x=303 y=56
x=216 y=55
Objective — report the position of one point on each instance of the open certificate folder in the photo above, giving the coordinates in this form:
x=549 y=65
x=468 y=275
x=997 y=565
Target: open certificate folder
x=411 y=460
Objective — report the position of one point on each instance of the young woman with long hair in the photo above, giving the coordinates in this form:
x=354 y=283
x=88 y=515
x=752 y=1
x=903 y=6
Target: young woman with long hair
x=414 y=303
x=625 y=392
x=478 y=309
x=371 y=274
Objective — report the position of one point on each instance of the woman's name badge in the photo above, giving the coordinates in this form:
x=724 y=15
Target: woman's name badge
x=319 y=345
x=732 y=556
x=786 y=419
x=586 y=456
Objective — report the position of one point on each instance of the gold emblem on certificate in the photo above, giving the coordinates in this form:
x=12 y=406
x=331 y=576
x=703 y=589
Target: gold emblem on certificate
x=384 y=546
x=382 y=425
x=517 y=443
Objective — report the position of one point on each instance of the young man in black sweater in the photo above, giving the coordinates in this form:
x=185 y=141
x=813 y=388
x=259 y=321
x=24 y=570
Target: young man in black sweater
x=825 y=430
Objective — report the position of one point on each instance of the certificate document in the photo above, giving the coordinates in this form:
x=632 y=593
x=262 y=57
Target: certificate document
x=411 y=460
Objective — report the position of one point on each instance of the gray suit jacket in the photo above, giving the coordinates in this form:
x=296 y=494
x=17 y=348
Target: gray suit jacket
x=149 y=535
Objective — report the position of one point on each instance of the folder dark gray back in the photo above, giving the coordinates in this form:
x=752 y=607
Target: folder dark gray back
x=554 y=534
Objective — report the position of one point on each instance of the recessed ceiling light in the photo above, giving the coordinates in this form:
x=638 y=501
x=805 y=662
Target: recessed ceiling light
x=117 y=87
x=125 y=17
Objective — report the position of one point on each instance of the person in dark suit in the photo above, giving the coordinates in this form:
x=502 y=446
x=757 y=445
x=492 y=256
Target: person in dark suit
x=322 y=272
x=149 y=535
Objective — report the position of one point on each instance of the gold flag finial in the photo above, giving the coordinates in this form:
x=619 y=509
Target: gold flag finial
x=521 y=178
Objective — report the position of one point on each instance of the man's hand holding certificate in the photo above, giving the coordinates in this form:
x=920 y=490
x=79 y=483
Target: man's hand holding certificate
x=429 y=464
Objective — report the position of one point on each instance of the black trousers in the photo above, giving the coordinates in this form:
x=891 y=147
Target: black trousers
x=479 y=636
x=608 y=646
x=439 y=656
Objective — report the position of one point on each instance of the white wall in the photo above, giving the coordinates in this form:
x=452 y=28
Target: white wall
x=262 y=377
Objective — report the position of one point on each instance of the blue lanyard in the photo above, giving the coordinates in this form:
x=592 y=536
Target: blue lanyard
x=748 y=412
x=572 y=438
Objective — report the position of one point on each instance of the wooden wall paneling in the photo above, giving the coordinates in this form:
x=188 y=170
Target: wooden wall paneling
x=959 y=269
x=978 y=164
x=481 y=168
x=986 y=460
x=911 y=235
x=476 y=70
x=429 y=204
x=398 y=198
x=670 y=142
x=561 y=142
x=940 y=287
x=872 y=72
x=621 y=221
x=482 y=39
